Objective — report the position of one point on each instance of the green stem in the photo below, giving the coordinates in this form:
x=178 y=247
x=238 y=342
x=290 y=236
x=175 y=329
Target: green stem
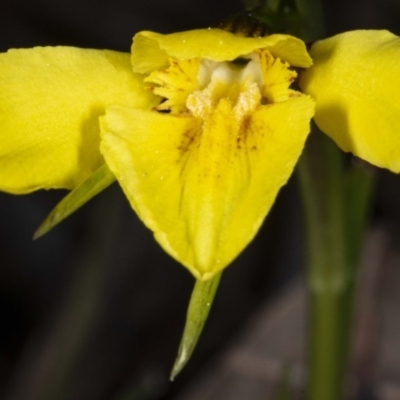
x=334 y=227
x=335 y=204
x=320 y=176
x=329 y=332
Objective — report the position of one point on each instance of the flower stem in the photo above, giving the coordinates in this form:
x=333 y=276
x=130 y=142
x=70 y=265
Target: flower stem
x=326 y=274
x=335 y=204
x=329 y=333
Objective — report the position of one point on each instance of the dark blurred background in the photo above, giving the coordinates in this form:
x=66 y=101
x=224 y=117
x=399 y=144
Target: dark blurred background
x=95 y=309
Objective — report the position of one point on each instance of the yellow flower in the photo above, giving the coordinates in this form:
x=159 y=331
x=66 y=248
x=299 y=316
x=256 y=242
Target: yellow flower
x=200 y=128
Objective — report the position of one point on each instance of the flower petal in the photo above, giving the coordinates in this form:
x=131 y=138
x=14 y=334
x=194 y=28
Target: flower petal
x=355 y=82
x=151 y=51
x=50 y=101
x=204 y=189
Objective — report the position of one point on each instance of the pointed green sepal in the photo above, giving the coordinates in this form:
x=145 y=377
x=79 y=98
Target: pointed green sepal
x=199 y=307
x=92 y=186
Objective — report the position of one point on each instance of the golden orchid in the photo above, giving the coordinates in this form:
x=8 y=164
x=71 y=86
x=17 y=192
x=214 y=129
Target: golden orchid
x=200 y=128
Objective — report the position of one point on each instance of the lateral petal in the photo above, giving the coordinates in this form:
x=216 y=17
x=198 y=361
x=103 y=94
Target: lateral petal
x=204 y=187
x=355 y=82
x=50 y=101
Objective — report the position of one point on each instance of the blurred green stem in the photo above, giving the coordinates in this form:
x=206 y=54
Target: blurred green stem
x=320 y=173
x=335 y=203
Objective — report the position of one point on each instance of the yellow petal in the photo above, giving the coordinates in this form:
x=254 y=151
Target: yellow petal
x=151 y=51
x=355 y=82
x=204 y=189
x=50 y=101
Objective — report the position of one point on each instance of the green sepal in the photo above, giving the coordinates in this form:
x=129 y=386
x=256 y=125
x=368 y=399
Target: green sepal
x=92 y=186
x=199 y=307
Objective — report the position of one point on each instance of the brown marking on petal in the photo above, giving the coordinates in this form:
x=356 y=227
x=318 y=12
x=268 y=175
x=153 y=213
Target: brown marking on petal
x=190 y=138
x=242 y=132
x=166 y=111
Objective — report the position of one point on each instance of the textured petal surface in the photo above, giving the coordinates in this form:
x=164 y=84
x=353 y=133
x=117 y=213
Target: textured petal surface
x=355 y=82
x=151 y=51
x=204 y=188
x=50 y=101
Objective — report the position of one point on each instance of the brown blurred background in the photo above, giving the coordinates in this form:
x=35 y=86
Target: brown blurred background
x=95 y=309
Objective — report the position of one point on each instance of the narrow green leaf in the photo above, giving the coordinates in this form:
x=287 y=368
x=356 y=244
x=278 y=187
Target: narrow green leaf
x=199 y=307
x=92 y=186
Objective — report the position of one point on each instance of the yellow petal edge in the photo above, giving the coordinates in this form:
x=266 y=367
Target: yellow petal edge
x=355 y=82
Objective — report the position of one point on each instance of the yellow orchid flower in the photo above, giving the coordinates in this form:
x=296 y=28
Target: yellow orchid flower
x=200 y=128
